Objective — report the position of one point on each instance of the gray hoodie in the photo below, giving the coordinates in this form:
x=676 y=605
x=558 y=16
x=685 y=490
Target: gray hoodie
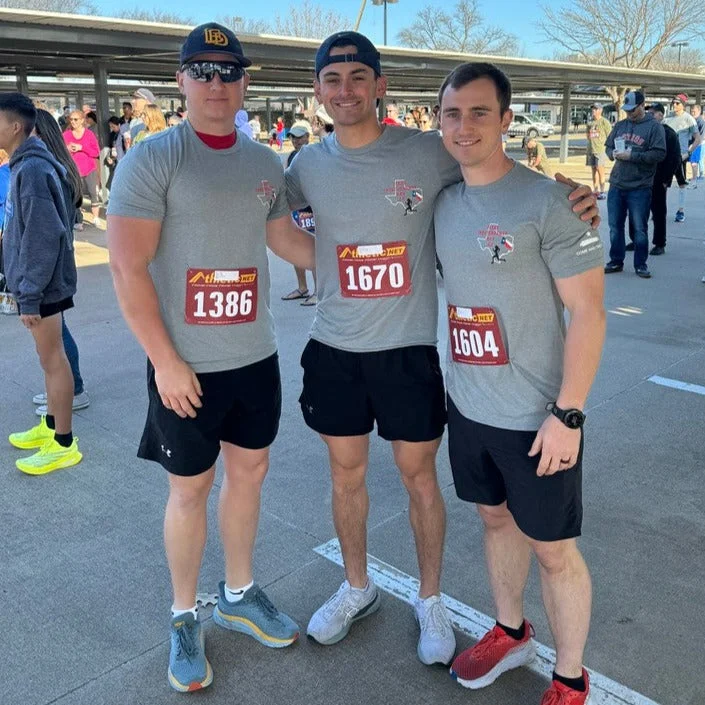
x=37 y=242
x=647 y=142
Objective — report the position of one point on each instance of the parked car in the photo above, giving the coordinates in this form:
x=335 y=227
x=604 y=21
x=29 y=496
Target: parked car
x=526 y=124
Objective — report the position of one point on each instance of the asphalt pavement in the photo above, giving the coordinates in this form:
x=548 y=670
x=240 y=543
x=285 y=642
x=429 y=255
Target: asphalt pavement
x=83 y=579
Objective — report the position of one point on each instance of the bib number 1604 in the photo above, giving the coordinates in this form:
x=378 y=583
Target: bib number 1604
x=470 y=343
x=375 y=277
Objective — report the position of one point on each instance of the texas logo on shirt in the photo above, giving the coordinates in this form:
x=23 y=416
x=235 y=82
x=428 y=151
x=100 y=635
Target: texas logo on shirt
x=266 y=193
x=499 y=243
x=402 y=194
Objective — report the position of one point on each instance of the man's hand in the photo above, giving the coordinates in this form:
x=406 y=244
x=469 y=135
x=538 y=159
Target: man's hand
x=586 y=205
x=559 y=447
x=624 y=156
x=179 y=388
x=30 y=320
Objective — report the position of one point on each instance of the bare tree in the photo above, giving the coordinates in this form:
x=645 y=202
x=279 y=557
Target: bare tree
x=311 y=21
x=240 y=25
x=462 y=29
x=160 y=16
x=690 y=60
x=631 y=33
x=73 y=7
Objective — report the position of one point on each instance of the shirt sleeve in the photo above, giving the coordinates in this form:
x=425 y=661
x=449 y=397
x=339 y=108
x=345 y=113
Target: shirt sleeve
x=280 y=205
x=568 y=245
x=294 y=193
x=448 y=169
x=140 y=185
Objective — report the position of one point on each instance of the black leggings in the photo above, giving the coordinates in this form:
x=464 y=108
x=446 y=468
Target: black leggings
x=90 y=188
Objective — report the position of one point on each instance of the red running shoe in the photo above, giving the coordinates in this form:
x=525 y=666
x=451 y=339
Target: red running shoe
x=481 y=665
x=559 y=694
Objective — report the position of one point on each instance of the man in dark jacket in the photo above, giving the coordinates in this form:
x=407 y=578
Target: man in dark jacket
x=665 y=171
x=40 y=269
x=637 y=144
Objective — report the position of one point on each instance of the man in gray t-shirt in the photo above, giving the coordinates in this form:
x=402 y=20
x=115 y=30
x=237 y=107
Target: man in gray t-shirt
x=192 y=212
x=514 y=258
x=684 y=125
x=372 y=355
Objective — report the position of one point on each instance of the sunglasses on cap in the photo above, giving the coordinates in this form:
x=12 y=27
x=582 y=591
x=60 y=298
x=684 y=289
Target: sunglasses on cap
x=204 y=71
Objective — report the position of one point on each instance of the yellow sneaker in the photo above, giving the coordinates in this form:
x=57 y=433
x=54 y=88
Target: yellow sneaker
x=36 y=437
x=51 y=456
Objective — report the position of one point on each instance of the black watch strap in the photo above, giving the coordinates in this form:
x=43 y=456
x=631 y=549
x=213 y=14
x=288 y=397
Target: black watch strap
x=572 y=418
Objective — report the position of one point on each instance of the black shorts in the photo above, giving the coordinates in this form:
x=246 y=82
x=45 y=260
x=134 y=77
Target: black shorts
x=491 y=465
x=240 y=406
x=401 y=389
x=47 y=310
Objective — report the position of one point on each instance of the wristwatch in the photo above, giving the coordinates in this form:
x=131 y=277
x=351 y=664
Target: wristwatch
x=572 y=418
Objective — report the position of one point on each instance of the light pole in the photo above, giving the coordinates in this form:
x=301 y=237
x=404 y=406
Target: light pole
x=680 y=46
x=385 y=3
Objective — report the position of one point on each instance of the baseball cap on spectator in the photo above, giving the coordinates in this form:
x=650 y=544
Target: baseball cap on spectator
x=366 y=53
x=298 y=131
x=213 y=38
x=658 y=108
x=145 y=94
x=596 y=106
x=681 y=98
x=633 y=100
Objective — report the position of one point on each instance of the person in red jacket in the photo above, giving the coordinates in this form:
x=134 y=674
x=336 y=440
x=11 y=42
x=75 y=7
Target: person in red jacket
x=84 y=148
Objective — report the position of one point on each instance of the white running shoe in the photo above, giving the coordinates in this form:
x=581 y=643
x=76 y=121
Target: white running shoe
x=437 y=638
x=331 y=622
x=80 y=401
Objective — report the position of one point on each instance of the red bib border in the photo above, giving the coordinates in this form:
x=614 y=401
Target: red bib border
x=475 y=336
x=374 y=271
x=221 y=297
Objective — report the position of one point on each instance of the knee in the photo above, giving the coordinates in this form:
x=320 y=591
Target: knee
x=348 y=475
x=190 y=494
x=52 y=359
x=420 y=480
x=495 y=518
x=554 y=556
x=252 y=473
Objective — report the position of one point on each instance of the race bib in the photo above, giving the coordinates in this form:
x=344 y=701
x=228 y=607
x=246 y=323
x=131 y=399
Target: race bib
x=594 y=134
x=374 y=271
x=475 y=337
x=221 y=297
x=305 y=220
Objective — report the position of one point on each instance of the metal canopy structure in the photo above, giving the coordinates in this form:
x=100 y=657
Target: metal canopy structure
x=46 y=43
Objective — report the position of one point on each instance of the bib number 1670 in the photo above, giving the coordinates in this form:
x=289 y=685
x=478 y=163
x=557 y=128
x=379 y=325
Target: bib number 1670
x=376 y=277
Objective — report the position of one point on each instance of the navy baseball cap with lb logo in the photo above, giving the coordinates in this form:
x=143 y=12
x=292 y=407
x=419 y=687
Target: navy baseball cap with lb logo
x=366 y=51
x=213 y=38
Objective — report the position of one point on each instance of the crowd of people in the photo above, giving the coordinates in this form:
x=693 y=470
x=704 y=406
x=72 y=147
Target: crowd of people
x=198 y=303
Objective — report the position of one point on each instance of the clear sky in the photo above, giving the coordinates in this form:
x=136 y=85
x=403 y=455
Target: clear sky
x=513 y=15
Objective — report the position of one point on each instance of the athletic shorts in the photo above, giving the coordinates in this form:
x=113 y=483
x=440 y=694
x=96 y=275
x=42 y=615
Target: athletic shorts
x=491 y=465
x=240 y=406
x=695 y=154
x=47 y=310
x=599 y=159
x=401 y=389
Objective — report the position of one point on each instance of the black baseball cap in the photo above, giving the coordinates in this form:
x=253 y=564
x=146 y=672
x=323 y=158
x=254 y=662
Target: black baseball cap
x=366 y=51
x=657 y=107
x=213 y=38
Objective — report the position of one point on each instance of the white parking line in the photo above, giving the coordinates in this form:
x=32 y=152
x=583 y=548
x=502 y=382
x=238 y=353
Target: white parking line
x=603 y=690
x=677 y=384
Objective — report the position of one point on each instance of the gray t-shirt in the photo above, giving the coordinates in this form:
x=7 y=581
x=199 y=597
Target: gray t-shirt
x=684 y=126
x=372 y=196
x=501 y=247
x=214 y=206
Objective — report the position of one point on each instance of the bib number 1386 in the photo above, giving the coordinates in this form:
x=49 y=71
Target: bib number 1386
x=217 y=297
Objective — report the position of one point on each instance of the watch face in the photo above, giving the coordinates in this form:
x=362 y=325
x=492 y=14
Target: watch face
x=574 y=419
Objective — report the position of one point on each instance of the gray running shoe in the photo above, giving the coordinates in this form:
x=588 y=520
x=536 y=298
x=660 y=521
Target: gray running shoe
x=80 y=401
x=332 y=622
x=189 y=669
x=255 y=615
x=437 y=638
